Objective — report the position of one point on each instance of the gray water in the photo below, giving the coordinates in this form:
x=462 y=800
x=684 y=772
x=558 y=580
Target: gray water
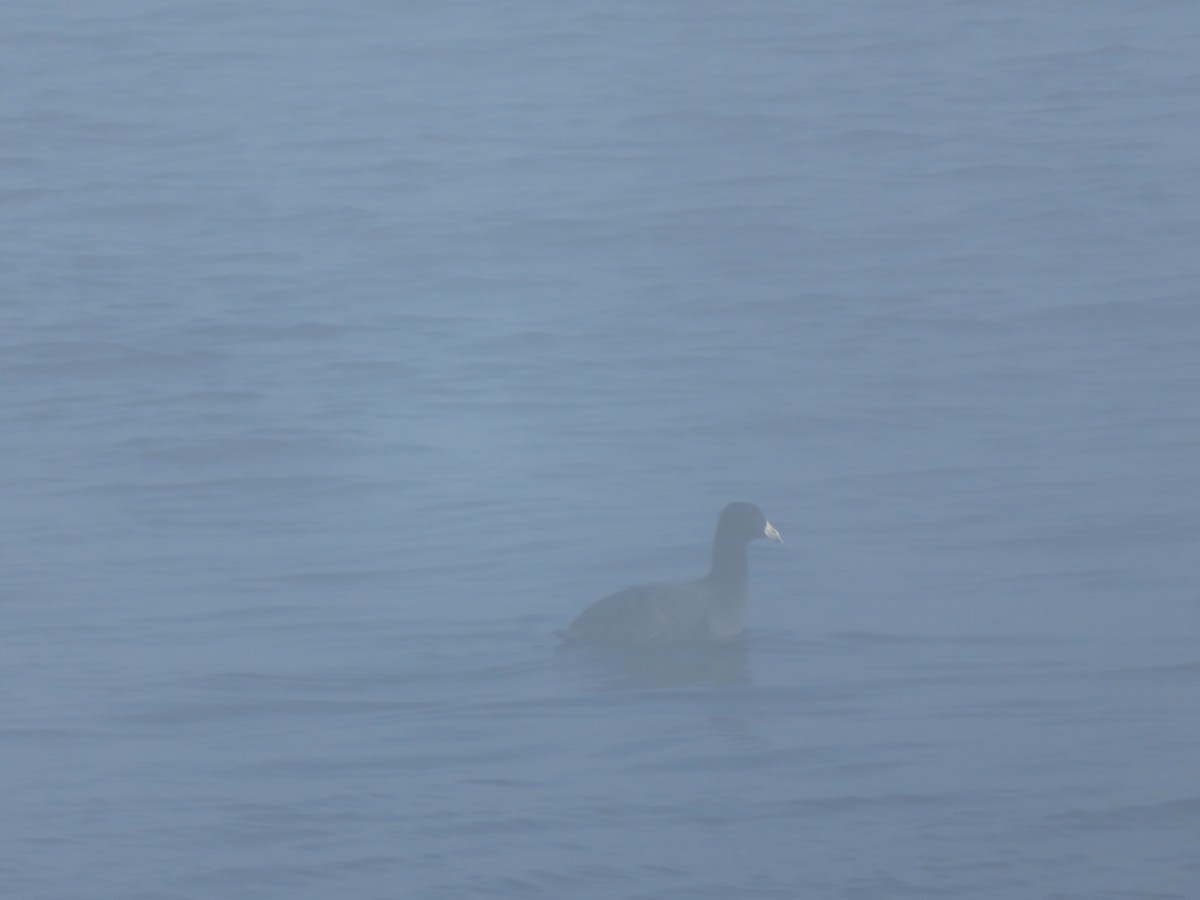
x=348 y=350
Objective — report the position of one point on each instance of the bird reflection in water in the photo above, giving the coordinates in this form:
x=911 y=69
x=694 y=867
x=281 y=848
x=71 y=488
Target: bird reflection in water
x=656 y=666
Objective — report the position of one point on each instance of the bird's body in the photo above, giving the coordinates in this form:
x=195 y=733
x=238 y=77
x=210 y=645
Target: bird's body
x=711 y=608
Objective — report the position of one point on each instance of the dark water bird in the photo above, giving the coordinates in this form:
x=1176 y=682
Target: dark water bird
x=709 y=609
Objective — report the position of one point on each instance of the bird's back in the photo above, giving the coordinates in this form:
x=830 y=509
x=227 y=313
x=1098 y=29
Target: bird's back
x=658 y=613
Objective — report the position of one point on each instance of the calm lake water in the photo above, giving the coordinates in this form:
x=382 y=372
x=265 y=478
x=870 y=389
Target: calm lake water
x=347 y=351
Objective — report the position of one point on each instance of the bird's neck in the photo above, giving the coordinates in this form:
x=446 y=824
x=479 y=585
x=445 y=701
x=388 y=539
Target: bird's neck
x=729 y=567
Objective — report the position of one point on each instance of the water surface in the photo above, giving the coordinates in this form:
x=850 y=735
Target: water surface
x=347 y=353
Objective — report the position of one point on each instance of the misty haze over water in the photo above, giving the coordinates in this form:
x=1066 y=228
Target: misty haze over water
x=347 y=351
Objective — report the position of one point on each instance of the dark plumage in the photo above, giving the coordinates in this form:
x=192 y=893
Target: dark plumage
x=709 y=609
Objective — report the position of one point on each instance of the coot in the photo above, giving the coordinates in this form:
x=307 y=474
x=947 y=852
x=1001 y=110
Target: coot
x=710 y=609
